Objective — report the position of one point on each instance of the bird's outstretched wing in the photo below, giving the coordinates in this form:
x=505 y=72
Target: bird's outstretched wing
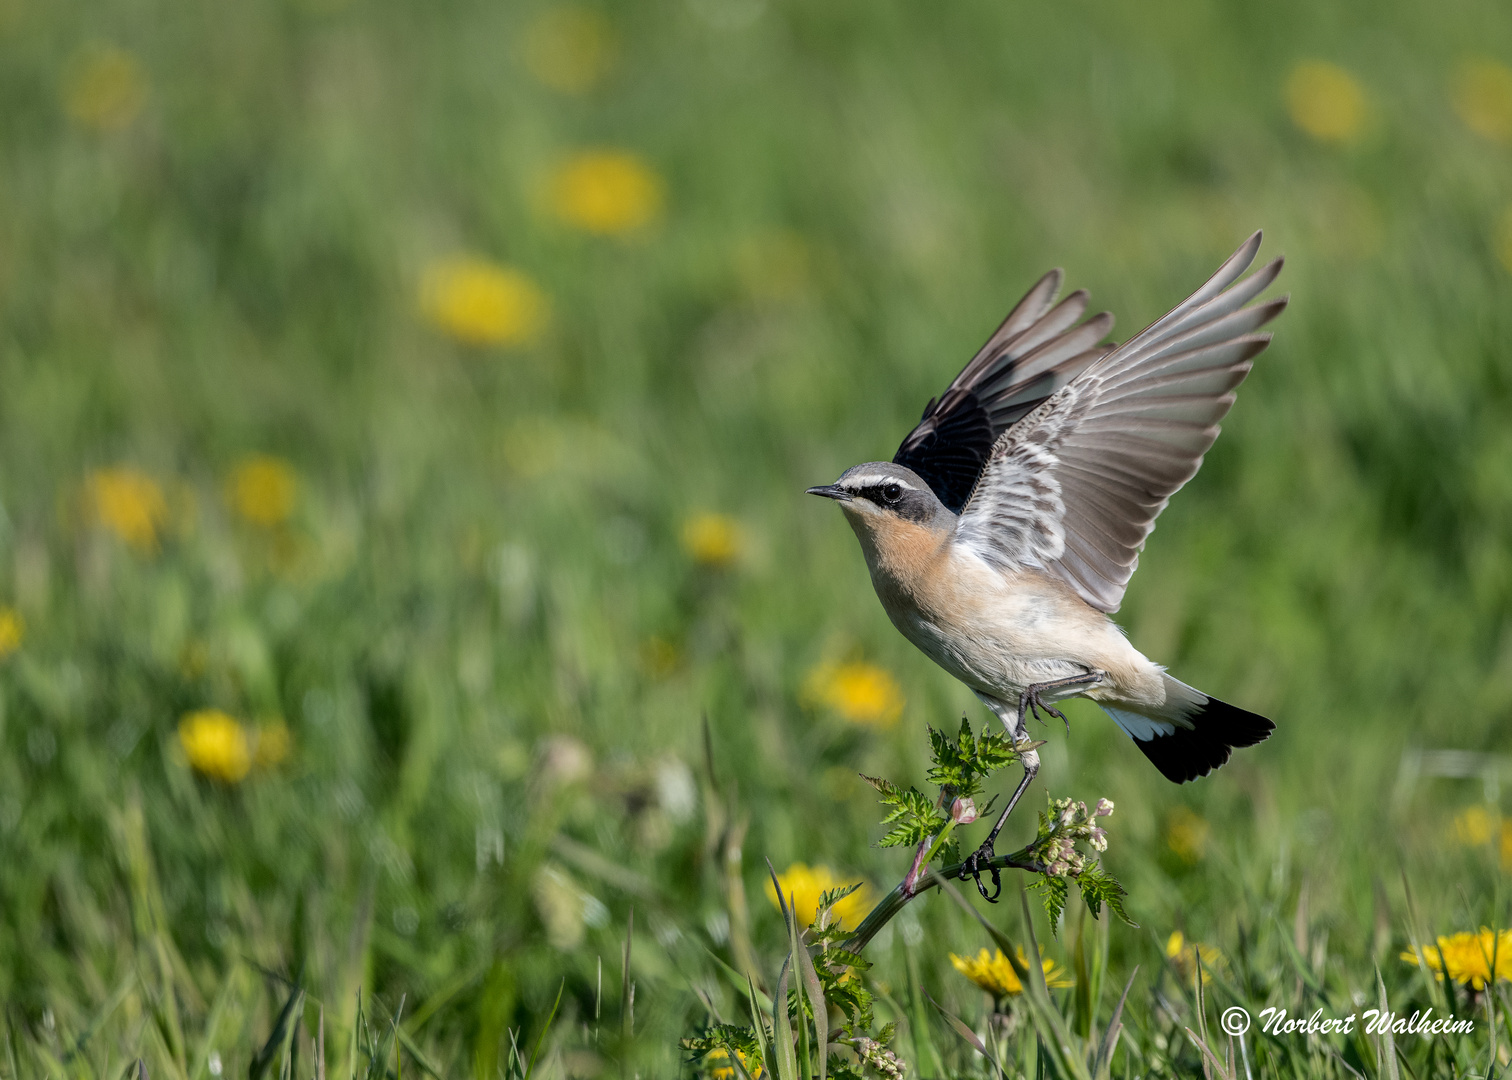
x=1037 y=350
x=1075 y=485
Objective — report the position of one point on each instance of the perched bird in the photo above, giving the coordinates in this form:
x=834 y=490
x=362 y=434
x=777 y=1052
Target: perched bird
x=1004 y=531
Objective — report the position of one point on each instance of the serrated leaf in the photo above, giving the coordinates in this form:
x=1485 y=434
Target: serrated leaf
x=834 y=896
x=846 y=959
x=1099 y=887
x=912 y=814
x=961 y=765
x=1053 y=892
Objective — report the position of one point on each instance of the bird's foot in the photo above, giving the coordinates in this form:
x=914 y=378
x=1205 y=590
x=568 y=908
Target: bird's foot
x=976 y=862
x=1036 y=705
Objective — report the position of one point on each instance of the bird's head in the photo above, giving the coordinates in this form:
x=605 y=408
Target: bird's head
x=881 y=497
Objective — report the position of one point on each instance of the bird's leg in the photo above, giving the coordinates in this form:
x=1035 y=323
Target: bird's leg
x=981 y=858
x=1030 y=697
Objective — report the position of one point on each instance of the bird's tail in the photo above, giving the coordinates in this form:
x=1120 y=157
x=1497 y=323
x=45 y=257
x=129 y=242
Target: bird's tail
x=1193 y=733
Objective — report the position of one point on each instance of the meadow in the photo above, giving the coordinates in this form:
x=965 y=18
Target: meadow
x=415 y=643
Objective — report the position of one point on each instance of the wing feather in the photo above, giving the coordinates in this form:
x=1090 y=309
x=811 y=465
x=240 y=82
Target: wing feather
x=1075 y=483
x=1025 y=314
x=1037 y=350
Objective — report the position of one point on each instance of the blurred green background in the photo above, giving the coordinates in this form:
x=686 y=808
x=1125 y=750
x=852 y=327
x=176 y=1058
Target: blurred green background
x=427 y=391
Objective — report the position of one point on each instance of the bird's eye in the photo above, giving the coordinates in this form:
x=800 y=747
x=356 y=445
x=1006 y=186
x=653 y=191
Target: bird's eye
x=892 y=492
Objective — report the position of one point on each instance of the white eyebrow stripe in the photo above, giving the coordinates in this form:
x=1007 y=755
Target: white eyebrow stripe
x=856 y=483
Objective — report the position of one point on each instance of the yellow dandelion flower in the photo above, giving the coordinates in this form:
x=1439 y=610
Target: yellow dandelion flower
x=862 y=693
x=1187 y=835
x=272 y=744
x=129 y=503
x=104 y=89
x=1474 y=826
x=720 y=1068
x=262 y=490
x=12 y=631
x=1502 y=240
x=480 y=303
x=712 y=539
x=993 y=972
x=803 y=885
x=606 y=191
x=216 y=745
x=570 y=49
x=1183 y=954
x=1469 y=958
x=1483 y=98
x=1326 y=101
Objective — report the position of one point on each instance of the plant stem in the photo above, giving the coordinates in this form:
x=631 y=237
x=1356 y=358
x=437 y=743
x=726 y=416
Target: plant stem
x=896 y=900
x=939 y=841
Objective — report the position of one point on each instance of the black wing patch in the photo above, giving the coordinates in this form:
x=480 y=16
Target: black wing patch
x=1037 y=350
x=950 y=452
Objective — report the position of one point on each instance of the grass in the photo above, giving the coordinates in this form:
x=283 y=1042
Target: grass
x=480 y=623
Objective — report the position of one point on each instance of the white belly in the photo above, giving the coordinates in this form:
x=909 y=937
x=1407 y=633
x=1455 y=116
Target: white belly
x=1001 y=633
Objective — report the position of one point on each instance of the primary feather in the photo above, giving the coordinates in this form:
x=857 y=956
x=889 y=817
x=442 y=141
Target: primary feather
x=1074 y=484
x=1037 y=350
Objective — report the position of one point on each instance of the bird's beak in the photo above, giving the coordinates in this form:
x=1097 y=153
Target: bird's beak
x=830 y=491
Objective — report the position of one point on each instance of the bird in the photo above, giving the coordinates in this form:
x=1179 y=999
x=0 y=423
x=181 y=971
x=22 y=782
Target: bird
x=1001 y=536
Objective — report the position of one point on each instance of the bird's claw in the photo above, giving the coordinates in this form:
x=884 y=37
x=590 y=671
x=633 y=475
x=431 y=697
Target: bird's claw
x=976 y=862
x=1036 y=706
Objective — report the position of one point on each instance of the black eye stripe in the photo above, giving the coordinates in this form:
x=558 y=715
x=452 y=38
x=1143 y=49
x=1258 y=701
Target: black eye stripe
x=876 y=493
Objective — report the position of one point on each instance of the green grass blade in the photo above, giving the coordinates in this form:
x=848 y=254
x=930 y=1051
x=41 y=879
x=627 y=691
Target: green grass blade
x=960 y=1027
x=925 y=1050
x=1057 y=1036
x=351 y=1069
x=815 y=993
x=797 y=955
x=1062 y=1044
x=786 y=1063
x=418 y=1055
x=443 y=995
x=273 y=1048
x=757 y=1023
x=1299 y=963
x=782 y=1030
x=545 y=1030
x=627 y=988
x=741 y=982
x=1102 y=1065
x=1388 y=1065
x=1208 y=1057
x=103 y=1014
x=229 y=985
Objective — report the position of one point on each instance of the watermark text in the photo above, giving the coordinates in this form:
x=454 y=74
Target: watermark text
x=1276 y=1021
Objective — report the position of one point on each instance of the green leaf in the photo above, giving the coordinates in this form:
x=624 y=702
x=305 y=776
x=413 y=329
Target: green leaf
x=962 y=765
x=830 y=897
x=736 y=1040
x=912 y=814
x=1099 y=887
x=1053 y=891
